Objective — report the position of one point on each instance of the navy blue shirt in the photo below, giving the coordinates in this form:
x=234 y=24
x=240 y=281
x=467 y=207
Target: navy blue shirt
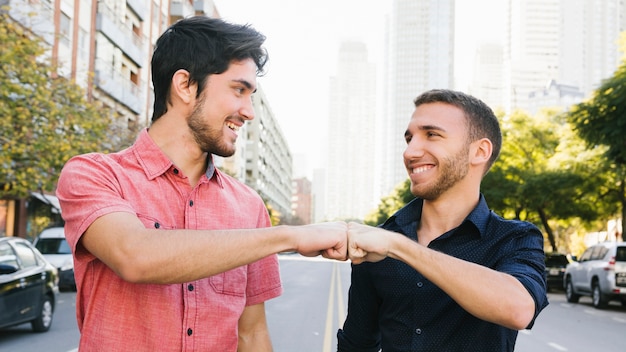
x=393 y=307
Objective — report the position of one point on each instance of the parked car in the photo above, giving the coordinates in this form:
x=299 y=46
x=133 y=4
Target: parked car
x=555 y=269
x=600 y=273
x=52 y=244
x=28 y=285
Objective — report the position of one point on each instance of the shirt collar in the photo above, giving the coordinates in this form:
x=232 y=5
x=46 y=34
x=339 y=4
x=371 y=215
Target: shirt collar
x=155 y=163
x=411 y=214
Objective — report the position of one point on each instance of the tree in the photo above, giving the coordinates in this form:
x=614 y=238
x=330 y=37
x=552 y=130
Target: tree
x=601 y=121
x=46 y=118
x=400 y=196
x=542 y=175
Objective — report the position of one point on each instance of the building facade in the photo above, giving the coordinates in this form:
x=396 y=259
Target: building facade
x=572 y=42
x=351 y=136
x=419 y=57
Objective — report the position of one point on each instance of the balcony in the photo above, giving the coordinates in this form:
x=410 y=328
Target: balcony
x=122 y=37
x=120 y=89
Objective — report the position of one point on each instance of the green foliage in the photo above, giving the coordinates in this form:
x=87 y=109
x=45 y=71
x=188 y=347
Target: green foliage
x=601 y=120
x=46 y=118
x=601 y=123
x=400 y=196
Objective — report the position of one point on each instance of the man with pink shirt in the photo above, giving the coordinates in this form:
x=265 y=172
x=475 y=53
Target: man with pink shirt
x=170 y=253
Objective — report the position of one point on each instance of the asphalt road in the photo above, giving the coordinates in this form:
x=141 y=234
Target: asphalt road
x=306 y=317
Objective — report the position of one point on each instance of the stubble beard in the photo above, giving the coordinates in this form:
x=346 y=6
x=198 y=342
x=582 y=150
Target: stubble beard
x=209 y=140
x=452 y=170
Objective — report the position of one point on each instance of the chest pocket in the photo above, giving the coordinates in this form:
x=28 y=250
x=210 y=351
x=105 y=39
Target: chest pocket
x=232 y=282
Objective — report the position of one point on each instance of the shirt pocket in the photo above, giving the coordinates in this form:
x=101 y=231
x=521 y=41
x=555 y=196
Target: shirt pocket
x=232 y=282
x=153 y=223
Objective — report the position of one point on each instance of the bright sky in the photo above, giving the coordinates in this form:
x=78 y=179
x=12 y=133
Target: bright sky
x=303 y=40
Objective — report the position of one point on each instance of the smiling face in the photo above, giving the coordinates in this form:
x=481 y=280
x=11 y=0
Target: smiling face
x=223 y=107
x=437 y=152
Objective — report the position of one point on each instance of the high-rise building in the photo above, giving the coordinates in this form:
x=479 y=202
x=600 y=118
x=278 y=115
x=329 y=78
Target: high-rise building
x=263 y=160
x=419 y=57
x=487 y=82
x=350 y=164
x=572 y=42
x=302 y=201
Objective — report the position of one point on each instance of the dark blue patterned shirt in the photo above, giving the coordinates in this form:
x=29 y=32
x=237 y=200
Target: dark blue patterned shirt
x=393 y=307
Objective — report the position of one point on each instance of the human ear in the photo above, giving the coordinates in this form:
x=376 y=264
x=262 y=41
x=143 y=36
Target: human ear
x=181 y=87
x=481 y=151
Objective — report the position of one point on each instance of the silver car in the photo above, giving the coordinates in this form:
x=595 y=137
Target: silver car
x=600 y=273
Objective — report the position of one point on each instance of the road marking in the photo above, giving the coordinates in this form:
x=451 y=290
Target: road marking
x=619 y=320
x=557 y=346
x=329 y=312
x=340 y=305
x=335 y=290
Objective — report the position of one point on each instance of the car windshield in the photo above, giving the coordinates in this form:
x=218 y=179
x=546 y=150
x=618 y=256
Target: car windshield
x=556 y=260
x=53 y=246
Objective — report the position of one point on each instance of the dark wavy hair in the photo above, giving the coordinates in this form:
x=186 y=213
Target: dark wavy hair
x=481 y=121
x=202 y=46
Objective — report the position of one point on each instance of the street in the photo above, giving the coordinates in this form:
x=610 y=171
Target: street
x=314 y=303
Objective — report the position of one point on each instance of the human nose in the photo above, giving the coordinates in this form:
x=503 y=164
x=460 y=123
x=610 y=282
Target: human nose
x=414 y=149
x=247 y=110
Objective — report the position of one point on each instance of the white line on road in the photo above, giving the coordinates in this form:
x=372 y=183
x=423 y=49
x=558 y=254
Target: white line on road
x=329 y=312
x=556 y=346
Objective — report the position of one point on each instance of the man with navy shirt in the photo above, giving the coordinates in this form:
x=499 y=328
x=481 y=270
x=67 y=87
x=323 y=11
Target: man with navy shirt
x=445 y=273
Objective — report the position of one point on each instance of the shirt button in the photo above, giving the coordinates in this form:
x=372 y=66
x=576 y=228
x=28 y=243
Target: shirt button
x=157 y=225
x=419 y=284
x=418 y=331
x=189 y=332
x=175 y=171
x=191 y=203
x=190 y=287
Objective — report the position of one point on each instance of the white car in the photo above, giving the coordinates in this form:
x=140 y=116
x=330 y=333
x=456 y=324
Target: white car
x=600 y=273
x=52 y=244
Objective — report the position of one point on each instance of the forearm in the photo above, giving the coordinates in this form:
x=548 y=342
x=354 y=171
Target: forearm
x=485 y=293
x=253 y=333
x=172 y=256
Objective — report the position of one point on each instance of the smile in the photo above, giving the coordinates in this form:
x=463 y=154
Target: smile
x=421 y=169
x=232 y=126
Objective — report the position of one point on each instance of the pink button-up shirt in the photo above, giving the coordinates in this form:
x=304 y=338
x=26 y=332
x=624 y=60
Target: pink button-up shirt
x=115 y=315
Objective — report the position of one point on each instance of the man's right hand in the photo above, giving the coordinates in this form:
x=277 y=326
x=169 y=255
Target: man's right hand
x=328 y=239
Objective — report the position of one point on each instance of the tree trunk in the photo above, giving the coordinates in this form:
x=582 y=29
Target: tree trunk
x=546 y=226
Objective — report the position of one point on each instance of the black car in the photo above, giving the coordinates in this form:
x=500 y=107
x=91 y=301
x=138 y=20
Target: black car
x=28 y=285
x=555 y=268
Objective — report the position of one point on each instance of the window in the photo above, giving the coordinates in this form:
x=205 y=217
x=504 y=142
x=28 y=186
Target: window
x=26 y=255
x=7 y=257
x=65 y=29
x=620 y=255
x=586 y=255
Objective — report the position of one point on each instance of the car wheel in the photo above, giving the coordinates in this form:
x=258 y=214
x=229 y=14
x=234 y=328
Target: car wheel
x=44 y=320
x=599 y=300
x=571 y=296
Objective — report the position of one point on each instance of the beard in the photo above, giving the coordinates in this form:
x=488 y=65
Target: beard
x=452 y=170
x=210 y=140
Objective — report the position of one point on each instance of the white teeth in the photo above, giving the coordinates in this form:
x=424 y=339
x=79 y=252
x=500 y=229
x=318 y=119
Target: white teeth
x=417 y=170
x=232 y=126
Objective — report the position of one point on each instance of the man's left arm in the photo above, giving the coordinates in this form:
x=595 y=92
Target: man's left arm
x=253 y=332
x=485 y=293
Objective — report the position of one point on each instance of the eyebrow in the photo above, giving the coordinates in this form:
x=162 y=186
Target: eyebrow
x=245 y=83
x=407 y=133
